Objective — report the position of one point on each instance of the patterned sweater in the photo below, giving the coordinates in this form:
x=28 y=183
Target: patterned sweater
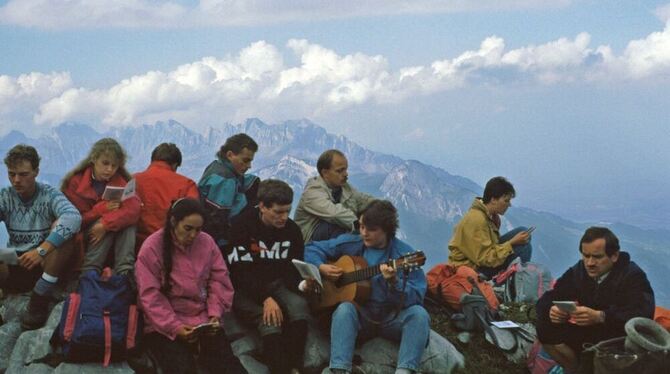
x=29 y=222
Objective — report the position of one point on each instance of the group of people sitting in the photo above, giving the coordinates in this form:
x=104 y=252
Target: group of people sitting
x=197 y=251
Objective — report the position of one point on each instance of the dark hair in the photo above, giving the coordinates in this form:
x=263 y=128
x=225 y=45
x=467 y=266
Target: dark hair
x=381 y=214
x=325 y=161
x=236 y=144
x=22 y=152
x=497 y=187
x=168 y=152
x=274 y=191
x=180 y=208
x=594 y=233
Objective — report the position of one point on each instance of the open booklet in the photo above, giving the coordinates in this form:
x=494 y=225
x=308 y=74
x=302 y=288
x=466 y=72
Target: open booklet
x=8 y=256
x=115 y=193
x=307 y=271
x=204 y=327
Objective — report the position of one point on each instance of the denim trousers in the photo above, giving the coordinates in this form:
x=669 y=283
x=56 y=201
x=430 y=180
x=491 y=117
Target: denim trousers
x=523 y=251
x=411 y=327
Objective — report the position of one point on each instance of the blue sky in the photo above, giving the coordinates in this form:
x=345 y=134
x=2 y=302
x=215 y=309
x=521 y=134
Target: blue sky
x=569 y=99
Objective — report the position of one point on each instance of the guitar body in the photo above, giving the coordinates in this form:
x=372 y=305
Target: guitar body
x=357 y=292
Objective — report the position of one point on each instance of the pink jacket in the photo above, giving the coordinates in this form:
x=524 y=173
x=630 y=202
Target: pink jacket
x=201 y=286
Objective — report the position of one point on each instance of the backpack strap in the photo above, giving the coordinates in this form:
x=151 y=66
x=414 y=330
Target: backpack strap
x=108 y=338
x=503 y=275
x=71 y=317
x=132 y=326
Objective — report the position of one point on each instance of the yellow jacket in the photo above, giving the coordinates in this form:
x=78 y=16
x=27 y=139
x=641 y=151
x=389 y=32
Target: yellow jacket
x=475 y=242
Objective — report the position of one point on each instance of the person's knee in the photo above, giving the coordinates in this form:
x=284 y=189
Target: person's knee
x=418 y=315
x=345 y=310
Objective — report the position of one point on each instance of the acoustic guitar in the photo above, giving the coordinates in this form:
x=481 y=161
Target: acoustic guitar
x=354 y=285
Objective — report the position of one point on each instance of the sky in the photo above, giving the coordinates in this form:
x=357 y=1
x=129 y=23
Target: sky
x=568 y=99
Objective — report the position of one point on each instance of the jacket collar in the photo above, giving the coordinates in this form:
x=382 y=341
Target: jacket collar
x=346 y=189
x=160 y=165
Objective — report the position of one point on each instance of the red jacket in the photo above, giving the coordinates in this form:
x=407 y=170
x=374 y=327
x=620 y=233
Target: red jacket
x=80 y=192
x=157 y=187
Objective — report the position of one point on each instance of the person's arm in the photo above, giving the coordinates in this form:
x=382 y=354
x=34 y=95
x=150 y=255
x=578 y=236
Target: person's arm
x=636 y=299
x=68 y=219
x=88 y=214
x=192 y=190
x=156 y=306
x=316 y=201
x=474 y=239
x=565 y=289
x=290 y=274
x=241 y=272
x=220 y=288
x=128 y=214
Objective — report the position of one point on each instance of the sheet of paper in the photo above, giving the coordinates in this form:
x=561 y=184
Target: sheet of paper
x=504 y=324
x=8 y=256
x=307 y=271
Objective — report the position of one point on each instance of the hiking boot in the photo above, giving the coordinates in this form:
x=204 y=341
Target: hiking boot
x=36 y=313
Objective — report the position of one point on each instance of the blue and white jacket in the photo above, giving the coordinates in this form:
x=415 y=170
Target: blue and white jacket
x=225 y=194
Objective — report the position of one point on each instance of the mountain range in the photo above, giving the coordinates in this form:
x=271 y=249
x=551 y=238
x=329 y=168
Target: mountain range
x=429 y=199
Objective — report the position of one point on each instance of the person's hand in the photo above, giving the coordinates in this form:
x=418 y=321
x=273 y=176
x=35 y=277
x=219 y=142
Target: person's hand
x=30 y=259
x=312 y=286
x=96 y=233
x=331 y=272
x=556 y=315
x=216 y=327
x=520 y=238
x=113 y=205
x=186 y=334
x=585 y=316
x=388 y=272
x=272 y=315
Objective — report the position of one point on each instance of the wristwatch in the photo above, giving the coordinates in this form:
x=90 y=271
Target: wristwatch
x=41 y=251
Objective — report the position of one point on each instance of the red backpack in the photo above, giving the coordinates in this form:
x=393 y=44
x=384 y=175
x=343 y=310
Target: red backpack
x=448 y=283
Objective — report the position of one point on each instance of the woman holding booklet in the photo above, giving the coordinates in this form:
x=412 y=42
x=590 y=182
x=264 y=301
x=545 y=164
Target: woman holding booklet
x=184 y=289
x=107 y=220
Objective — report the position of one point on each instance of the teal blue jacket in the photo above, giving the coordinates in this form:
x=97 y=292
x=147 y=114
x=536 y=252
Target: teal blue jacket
x=225 y=194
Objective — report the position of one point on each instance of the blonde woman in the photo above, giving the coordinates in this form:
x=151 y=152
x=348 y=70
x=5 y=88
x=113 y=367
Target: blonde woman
x=105 y=224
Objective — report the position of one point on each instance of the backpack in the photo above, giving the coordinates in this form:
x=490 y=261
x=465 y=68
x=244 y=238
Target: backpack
x=99 y=322
x=448 y=284
x=524 y=282
x=539 y=361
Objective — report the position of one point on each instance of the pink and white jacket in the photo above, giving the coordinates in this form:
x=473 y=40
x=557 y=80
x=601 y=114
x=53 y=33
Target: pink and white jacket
x=201 y=286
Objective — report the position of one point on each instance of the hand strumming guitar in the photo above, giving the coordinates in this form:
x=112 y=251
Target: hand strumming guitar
x=330 y=272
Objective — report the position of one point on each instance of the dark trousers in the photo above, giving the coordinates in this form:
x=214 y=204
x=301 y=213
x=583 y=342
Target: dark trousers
x=178 y=357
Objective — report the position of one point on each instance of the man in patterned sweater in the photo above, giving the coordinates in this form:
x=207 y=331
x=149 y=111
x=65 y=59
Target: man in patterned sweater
x=39 y=220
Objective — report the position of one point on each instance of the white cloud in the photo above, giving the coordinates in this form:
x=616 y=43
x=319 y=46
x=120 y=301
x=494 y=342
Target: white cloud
x=663 y=12
x=54 y=14
x=258 y=82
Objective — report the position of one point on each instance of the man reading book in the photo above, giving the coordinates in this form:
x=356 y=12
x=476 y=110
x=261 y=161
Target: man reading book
x=263 y=241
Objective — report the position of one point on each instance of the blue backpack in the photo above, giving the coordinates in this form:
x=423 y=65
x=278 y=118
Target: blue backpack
x=99 y=322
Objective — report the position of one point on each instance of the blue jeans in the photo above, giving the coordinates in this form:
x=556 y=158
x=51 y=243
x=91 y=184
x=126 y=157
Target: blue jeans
x=523 y=251
x=411 y=327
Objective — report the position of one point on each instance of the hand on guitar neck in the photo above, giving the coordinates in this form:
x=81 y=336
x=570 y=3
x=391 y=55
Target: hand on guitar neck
x=388 y=272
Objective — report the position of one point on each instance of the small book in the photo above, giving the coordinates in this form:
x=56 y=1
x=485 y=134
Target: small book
x=8 y=256
x=308 y=271
x=116 y=193
x=204 y=327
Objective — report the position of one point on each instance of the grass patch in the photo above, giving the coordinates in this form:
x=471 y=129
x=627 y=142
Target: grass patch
x=481 y=357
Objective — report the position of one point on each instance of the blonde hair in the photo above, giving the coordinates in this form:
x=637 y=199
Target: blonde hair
x=104 y=146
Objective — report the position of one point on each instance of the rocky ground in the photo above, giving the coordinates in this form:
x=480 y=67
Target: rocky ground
x=22 y=351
